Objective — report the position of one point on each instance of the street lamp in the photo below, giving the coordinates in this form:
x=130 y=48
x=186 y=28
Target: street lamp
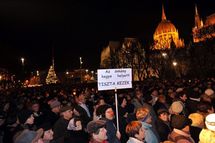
x=164 y=54
x=23 y=61
x=38 y=73
x=174 y=63
x=81 y=62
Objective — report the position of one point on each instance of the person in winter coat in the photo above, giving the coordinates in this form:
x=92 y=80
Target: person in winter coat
x=136 y=132
x=97 y=131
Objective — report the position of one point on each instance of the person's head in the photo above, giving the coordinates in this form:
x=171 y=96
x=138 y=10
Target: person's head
x=197 y=120
x=143 y=115
x=162 y=98
x=66 y=112
x=210 y=122
x=122 y=102
x=176 y=107
x=163 y=114
x=101 y=101
x=80 y=96
x=134 y=129
x=138 y=93
x=35 y=106
x=182 y=95
x=181 y=122
x=75 y=124
x=205 y=108
x=105 y=111
x=48 y=135
x=97 y=130
x=55 y=106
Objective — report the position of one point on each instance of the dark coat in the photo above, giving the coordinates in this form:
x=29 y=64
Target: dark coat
x=76 y=137
x=195 y=131
x=60 y=130
x=163 y=129
x=111 y=131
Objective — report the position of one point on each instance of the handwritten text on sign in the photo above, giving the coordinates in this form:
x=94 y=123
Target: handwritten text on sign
x=114 y=78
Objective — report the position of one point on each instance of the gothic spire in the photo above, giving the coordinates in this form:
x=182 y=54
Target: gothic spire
x=198 y=22
x=163 y=13
x=196 y=10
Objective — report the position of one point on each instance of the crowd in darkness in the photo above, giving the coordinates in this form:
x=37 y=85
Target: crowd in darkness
x=152 y=111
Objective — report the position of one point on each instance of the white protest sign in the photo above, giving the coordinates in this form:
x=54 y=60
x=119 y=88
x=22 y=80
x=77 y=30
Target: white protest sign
x=109 y=79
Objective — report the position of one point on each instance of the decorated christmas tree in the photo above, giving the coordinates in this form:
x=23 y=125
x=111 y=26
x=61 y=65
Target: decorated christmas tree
x=51 y=77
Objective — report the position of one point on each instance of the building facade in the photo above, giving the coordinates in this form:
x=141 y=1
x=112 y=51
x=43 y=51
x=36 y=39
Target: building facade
x=165 y=34
x=203 y=31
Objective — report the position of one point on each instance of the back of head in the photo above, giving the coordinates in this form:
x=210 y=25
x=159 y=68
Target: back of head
x=133 y=128
x=142 y=113
x=210 y=122
x=95 y=125
x=197 y=120
x=180 y=121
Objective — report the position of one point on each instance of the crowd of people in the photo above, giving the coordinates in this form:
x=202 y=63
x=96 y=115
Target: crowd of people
x=153 y=111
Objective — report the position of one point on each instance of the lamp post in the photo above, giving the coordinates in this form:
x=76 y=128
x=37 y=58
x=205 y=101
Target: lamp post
x=23 y=67
x=81 y=62
x=23 y=61
x=174 y=63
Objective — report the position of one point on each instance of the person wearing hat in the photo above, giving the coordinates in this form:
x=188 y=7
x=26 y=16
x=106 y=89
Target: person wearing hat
x=176 y=108
x=97 y=131
x=60 y=127
x=163 y=124
x=52 y=115
x=181 y=129
x=106 y=112
x=136 y=132
x=208 y=135
x=143 y=115
x=196 y=126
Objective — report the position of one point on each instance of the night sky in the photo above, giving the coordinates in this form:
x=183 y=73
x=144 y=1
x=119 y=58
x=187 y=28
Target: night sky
x=74 y=28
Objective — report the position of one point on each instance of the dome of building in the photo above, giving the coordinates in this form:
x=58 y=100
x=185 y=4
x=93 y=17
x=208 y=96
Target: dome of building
x=165 y=26
x=210 y=20
x=165 y=33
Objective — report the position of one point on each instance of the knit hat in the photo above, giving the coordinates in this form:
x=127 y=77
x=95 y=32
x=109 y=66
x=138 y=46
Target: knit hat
x=197 y=120
x=94 y=126
x=210 y=121
x=180 y=121
x=54 y=104
x=100 y=111
x=176 y=107
x=65 y=108
x=28 y=136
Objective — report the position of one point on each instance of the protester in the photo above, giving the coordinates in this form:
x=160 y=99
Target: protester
x=136 y=132
x=107 y=114
x=143 y=115
x=163 y=124
x=60 y=127
x=97 y=131
x=181 y=129
x=208 y=135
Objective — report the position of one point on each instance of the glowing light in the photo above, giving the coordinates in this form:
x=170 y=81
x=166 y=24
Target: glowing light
x=174 y=63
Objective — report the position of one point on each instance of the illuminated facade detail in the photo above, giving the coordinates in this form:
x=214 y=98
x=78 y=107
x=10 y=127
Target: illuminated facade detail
x=203 y=31
x=165 y=34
